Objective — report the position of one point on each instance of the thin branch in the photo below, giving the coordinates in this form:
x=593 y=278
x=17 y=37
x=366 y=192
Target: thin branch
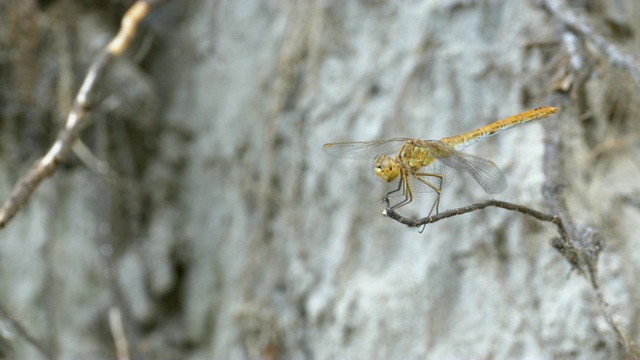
x=23 y=332
x=478 y=206
x=578 y=24
x=466 y=209
x=117 y=331
x=77 y=119
x=579 y=245
x=583 y=244
x=604 y=308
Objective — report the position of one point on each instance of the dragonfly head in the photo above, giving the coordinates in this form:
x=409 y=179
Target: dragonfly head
x=386 y=167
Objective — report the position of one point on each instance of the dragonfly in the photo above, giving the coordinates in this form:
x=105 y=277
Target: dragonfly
x=427 y=165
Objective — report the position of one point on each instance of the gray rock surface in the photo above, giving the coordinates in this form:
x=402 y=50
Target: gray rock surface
x=222 y=230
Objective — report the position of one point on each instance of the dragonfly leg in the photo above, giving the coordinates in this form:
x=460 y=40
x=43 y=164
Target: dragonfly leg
x=399 y=189
x=437 y=189
x=405 y=190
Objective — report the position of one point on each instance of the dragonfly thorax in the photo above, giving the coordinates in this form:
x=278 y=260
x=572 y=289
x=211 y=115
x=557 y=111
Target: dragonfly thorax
x=386 y=167
x=415 y=156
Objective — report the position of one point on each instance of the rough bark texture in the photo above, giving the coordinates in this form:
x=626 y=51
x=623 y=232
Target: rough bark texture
x=206 y=211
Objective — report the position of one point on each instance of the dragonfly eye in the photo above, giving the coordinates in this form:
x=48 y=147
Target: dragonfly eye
x=386 y=168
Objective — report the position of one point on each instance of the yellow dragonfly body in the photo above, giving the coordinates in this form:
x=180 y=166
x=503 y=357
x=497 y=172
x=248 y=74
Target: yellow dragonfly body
x=427 y=164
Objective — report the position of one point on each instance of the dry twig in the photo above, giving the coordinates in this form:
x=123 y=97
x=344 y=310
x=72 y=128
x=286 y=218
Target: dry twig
x=580 y=246
x=583 y=245
x=117 y=331
x=20 y=329
x=579 y=25
x=77 y=119
x=478 y=206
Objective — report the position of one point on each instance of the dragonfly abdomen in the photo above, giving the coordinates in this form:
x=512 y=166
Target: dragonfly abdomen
x=462 y=141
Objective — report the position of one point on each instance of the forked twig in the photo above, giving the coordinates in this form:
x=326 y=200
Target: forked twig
x=77 y=119
x=581 y=256
x=583 y=244
x=579 y=245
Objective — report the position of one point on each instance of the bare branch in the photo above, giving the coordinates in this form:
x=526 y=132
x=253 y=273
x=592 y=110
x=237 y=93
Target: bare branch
x=579 y=245
x=117 y=331
x=478 y=206
x=20 y=329
x=578 y=24
x=466 y=209
x=77 y=119
x=583 y=245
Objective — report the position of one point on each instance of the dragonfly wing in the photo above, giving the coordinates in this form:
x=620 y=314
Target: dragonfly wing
x=436 y=167
x=363 y=149
x=486 y=173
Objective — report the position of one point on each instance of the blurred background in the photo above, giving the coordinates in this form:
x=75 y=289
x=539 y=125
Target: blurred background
x=200 y=206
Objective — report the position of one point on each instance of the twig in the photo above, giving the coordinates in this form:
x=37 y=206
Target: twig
x=552 y=193
x=578 y=24
x=583 y=245
x=580 y=246
x=478 y=206
x=117 y=331
x=23 y=332
x=604 y=308
x=77 y=119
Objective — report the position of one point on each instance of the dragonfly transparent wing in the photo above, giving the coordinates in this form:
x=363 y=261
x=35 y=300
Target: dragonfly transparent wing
x=364 y=149
x=485 y=172
x=436 y=167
